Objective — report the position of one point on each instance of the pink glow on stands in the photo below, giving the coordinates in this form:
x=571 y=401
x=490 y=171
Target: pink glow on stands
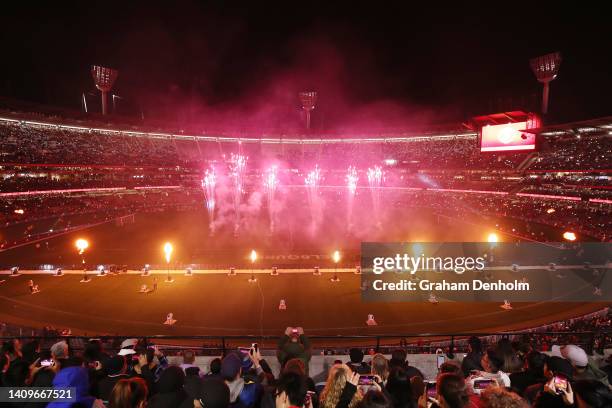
x=451 y=190
x=155 y=187
x=600 y=200
x=74 y=190
x=80 y=190
x=552 y=197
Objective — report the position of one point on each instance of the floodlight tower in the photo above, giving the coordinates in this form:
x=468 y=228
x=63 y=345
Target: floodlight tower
x=546 y=69
x=309 y=101
x=104 y=78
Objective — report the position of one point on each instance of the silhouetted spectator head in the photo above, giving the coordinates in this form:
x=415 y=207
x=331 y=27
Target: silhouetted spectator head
x=212 y=393
x=129 y=393
x=356 y=355
x=215 y=366
x=475 y=344
x=498 y=397
x=375 y=399
x=291 y=390
x=452 y=392
x=491 y=362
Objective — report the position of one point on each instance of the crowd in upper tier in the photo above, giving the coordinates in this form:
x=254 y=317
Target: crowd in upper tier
x=40 y=144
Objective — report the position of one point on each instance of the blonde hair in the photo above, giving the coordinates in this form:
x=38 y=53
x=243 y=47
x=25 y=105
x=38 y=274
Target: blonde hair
x=336 y=381
x=380 y=366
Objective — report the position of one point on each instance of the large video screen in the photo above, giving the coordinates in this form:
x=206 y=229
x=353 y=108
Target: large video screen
x=508 y=137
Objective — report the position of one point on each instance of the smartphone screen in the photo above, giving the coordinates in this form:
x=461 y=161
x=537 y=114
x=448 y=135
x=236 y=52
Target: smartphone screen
x=440 y=360
x=482 y=384
x=46 y=363
x=366 y=380
x=431 y=389
x=560 y=383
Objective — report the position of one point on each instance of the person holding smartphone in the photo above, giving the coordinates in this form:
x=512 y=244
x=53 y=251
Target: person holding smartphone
x=294 y=344
x=557 y=390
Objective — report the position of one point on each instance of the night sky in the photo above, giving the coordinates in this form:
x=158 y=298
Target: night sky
x=373 y=63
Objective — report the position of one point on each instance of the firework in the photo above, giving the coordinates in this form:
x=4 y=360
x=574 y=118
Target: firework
x=312 y=181
x=351 y=185
x=375 y=179
x=237 y=168
x=208 y=185
x=270 y=184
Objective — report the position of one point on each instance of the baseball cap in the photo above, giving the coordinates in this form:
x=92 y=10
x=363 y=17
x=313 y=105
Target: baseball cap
x=576 y=355
x=230 y=366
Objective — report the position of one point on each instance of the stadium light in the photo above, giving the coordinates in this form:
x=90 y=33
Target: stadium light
x=492 y=237
x=546 y=68
x=309 y=101
x=104 y=78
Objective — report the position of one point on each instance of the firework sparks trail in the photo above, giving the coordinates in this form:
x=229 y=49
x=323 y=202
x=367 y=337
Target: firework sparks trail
x=208 y=185
x=270 y=184
x=375 y=179
x=312 y=182
x=237 y=168
x=351 y=184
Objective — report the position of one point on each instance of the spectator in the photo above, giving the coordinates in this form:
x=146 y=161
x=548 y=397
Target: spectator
x=188 y=362
x=291 y=390
x=592 y=394
x=398 y=359
x=77 y=378
x=115 y=369
x=533 y=372
x=129 y=393
x=583 y=369
x=243 y=394
x=451 y=392
x=399 y=390
x=356 y=362
x=544 y=394
x=375 y=399
x=340 y=390
x=492 y=364
x=294 y=344
x=380 y=367
x=215 y=369
x=212 y=393
x=471 y=362
x=498 y=397
x=169 y=389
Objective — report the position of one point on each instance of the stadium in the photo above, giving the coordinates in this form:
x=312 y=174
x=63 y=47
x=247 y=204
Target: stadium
x=187 y=242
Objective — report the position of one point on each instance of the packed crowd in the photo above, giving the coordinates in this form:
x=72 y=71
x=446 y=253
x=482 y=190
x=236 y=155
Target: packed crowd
x=44 y=144
x=498 y=374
